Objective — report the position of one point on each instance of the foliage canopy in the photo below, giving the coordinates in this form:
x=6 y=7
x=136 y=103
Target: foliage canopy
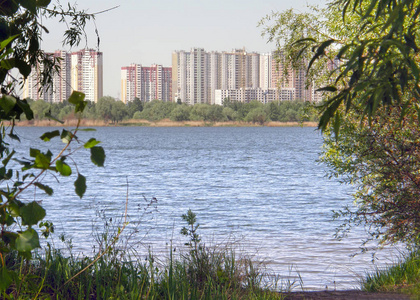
x=371 y=113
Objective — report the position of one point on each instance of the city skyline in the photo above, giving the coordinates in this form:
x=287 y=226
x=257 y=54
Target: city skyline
x=196 y=76
x=148 y=32
x=200 y=76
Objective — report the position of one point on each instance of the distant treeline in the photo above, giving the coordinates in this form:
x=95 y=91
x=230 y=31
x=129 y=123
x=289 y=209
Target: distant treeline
x=109 y=109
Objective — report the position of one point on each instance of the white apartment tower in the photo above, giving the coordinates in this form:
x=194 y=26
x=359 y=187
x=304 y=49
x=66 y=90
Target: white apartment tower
x=190 y=77
x=61 y=81
x=87 y=73
x=266 y=61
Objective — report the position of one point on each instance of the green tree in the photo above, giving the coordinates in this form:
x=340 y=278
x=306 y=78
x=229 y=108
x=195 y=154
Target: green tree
x=118 y=111
x=40 y=108
x=133 y=107
x=67 y=112
x=229 y=114
x=181 y=113
x=371 y=112
x=156 y=110
x=274 y=111
x=20 y=39
x=382 y=158
x=215 y=113
x=104 y=108
x=89 y=112
x=257 y=115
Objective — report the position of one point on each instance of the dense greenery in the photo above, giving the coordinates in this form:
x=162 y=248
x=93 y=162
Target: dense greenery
x=21 y=178
x=114 y=111
x=371 y=115
x=194 y=272
x=383 y=159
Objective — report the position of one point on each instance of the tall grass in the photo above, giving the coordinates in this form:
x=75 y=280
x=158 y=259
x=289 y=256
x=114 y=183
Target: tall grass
x=403 y=277
x=196 y=272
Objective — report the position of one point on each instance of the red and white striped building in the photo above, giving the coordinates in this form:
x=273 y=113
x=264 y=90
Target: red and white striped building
x=146 y=83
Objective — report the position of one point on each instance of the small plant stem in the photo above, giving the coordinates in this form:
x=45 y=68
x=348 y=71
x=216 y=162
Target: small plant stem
x=109 y=247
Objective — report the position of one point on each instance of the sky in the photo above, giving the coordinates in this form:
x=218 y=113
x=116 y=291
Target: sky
x=147 y=32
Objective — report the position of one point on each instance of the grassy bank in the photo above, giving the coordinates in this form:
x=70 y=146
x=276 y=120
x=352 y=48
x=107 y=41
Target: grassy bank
x=118 y=271
x=403 y=277
x=162 y=123
x=206 y=274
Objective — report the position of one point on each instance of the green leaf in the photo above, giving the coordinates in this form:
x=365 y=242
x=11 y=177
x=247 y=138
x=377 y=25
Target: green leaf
x=23 y=104
x=9 y=237
x=327 y=89
x=47 y=136
x=63 y=168
x=7 y=159
x=27 y=240
x=411 y=41
x=7 y=103
x=320 y=51
x=29 y=5
x=14 y=207
x=33 y=152
x=6 y=42
x=9 y=7
x=66 y=136
x=24 y=68
x=97 y=155
x=43 y=3
x=80 y=185
x=32 y=213
x=45 y=188
x=8 y=64
x=77 y=98
x=42 y=161
x=337 y=124
x=91 y=143
x=5 y=279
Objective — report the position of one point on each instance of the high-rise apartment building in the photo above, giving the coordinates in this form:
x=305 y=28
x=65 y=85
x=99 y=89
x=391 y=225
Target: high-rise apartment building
x=146 y=83
x=198 y=74
x=61 y=87
x=81 y=71
x=190 y=76
x=266 y=62
x=87 y=73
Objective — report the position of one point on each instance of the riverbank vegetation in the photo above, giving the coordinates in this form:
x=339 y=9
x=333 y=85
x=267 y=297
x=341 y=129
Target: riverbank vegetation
x=109 y=110
x=118 y=271
x=364 y=55
x=402 y=277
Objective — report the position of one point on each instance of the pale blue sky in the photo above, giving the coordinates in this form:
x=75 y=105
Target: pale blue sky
x=146 y=32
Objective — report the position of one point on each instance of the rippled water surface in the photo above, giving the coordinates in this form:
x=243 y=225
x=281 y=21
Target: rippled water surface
x=261 y=187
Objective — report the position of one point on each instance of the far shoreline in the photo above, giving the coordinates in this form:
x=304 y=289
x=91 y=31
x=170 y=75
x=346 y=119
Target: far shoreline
x=160 y=123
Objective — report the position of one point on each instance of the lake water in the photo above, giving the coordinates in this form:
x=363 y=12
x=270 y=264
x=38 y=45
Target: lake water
x=258 y=187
